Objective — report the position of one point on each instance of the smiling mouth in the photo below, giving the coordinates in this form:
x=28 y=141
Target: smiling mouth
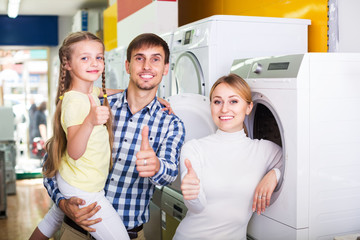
x=93 y=71
x=146 y=76
x=226 y=117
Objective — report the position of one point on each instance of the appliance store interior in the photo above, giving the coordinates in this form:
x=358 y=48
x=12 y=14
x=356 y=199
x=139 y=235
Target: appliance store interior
x=300 y=58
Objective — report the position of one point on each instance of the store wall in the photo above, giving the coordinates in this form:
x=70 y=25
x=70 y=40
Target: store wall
x=316 y=11
x=29 y=30
x=145 y=16
x=110 y=27
x=64 y=28
x=348 y=32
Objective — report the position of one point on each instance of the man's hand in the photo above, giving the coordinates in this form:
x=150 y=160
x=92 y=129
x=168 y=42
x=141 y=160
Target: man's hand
x=80 y=215
x=190 y=185
x=147 y=163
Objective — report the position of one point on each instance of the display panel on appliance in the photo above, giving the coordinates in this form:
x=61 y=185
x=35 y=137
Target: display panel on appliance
x=187 y=38
x=279 y=66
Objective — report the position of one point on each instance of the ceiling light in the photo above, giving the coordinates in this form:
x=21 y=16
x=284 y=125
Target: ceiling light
x=13 y=8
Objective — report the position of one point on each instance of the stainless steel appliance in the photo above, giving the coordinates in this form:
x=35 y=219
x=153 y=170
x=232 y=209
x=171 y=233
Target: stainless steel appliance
x=152 y=229
x=2 y=185
x=173 y=210
x=9 y=150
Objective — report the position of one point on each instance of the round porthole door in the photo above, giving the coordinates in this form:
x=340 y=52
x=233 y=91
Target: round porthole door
x=187 y=75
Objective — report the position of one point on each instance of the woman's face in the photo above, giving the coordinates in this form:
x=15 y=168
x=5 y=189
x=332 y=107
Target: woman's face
x=228 y=109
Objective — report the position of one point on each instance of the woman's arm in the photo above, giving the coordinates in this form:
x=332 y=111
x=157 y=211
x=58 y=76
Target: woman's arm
x=263 y=192
x=191 y=174
x=42 y=130
x=271 y=180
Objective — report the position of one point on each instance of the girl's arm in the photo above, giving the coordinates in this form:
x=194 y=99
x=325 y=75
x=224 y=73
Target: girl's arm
x=78 y=135
x=110 y=91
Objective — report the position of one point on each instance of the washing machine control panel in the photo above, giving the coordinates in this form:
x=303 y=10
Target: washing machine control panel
x=257 y=68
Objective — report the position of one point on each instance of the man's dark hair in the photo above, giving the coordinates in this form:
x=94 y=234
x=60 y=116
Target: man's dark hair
x=147 y=40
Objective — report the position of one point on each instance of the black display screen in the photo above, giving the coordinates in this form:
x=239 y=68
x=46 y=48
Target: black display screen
x=187 y=37
x=279 y=66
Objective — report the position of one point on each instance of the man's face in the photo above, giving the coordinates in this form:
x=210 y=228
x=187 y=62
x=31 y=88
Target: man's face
x=146 y=67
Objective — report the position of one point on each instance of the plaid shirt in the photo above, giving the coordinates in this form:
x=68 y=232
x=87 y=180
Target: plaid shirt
x=130 y=194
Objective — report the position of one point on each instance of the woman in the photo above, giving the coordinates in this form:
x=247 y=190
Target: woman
x=223 y=180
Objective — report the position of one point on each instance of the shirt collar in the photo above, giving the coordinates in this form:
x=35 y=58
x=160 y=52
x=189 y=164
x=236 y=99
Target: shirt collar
x=151 y=107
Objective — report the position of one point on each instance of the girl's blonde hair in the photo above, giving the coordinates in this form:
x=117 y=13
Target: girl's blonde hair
x=56 y=145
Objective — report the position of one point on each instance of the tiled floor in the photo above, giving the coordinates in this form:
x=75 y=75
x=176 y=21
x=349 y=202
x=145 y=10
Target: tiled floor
x=25 y=209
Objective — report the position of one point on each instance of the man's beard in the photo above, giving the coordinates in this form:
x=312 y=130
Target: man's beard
x=146 y=87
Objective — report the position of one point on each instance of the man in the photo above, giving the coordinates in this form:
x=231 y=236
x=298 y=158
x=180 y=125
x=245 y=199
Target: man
x=139 y=162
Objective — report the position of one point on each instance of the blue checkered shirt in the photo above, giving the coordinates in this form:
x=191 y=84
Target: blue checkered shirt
x=130 y=194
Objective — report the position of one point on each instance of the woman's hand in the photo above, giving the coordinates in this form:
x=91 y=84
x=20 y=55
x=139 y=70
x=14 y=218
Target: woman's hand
x=263 y=192
x=166 y=104
x=190 y=185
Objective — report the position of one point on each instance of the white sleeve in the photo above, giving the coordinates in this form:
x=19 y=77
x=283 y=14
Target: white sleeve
x=277 y=173
x=190 y=151
x=276 y=162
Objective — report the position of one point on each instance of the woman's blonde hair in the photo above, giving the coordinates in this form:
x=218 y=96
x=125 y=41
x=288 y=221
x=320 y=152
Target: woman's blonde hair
x=56 y=145
x=238 y=84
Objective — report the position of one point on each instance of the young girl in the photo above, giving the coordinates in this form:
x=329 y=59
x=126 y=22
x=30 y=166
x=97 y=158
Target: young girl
x=79 y=153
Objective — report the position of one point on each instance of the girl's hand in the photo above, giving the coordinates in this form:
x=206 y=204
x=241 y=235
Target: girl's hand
x=190 y=185
x=263 y=192
x=98 y=115
x=167 y=105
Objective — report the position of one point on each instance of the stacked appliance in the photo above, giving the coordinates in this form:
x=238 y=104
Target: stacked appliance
x=164 y=89
x=204 y=50
x=2 y=186
x=115 y=71
x=194 y=111
x=308 y=104
x=7 y=157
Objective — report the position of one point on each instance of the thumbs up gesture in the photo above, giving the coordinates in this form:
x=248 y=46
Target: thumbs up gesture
x=147 y=163
x=98 y=115
x=190 y=184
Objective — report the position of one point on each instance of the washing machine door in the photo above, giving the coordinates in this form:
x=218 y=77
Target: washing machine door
x=264 y=123
x=187 y=75
x=194 y=111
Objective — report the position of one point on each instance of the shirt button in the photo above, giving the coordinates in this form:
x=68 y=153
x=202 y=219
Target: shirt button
x=112 y=179
x=131 y=120
x=125 y=140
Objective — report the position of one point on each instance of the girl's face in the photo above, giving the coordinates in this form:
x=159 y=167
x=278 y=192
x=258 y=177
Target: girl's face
x=228 y=109
x=87 y=62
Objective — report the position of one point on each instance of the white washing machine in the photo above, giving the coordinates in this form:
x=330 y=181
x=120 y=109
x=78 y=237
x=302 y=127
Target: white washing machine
x=309 y=105
x=204 y=50
x=115 y=71
x=164 y=89
x=194 y=110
